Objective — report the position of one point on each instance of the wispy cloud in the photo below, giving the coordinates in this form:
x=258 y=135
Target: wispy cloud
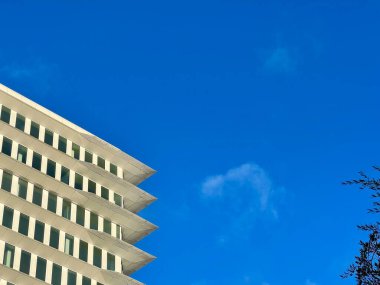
x=36 y=73
x=308 y=282
x=240 y=197
x=280 y=60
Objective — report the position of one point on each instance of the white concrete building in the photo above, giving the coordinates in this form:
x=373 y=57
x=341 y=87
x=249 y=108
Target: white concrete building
x=68 y=202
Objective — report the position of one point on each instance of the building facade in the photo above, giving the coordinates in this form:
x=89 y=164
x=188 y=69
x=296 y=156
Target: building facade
x=68 y=202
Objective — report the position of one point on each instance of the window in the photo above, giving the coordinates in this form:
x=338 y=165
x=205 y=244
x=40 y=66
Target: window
x=52 y=202
x=22 y=188
x=35 y=130
x=118 y=231
x=86 y=281
x=101 y=162
x=66 y=209
x=54 y=237
x=75 y=150
x=69 y=244
x=39 y=231
x=37 y=195
x=97 y=257
x=83 y=250
x=9 y=253
x=41 y=268
x=25 y=262
x=36 y=162
x=48 y=137
x=91 y=186
x=6 y=183
x=5 y=114
x=51 y=166
x=56 y=275
x=94 y=221
x=78 y=181
x=8 y=217
x=22 y=153
x=110 y=261
x=20 y=122
x=80 y=215
x=62 y=144
x=23 y=226
x=65 y=175
x=105 y=193
x=113 y=169
x=107 y=226
x=7 y=146
x=88 y=156
x=118 y=200
x=71 y=277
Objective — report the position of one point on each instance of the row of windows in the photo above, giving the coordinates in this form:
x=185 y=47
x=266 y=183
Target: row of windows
x=56 y=238
x=58 y=205
x=58 y=172
x=62 y=145
x=26 y=261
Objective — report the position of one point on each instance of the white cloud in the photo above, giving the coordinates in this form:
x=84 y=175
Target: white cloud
x=249 y=176
x=308 y=282
x=280 y=60
x=240 y=197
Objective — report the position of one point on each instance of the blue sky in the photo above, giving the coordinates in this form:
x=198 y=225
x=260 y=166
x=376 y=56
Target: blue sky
x=252 y=112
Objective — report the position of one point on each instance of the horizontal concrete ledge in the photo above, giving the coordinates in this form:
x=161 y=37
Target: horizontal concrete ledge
x=18 y=278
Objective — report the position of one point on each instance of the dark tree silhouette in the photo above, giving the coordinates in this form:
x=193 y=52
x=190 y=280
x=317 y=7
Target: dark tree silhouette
x=366 y=268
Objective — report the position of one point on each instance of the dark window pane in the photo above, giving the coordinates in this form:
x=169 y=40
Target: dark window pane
x=118 y=199
x=6 y=182
x=21 y=153
x=75 y=150
x=35 y=130
x=25 y=262
x=39 y=231
x=48 y=137
x=23 y=226
x=97 y=257
x=41 y=268
x=101 y=162
x=7 y=146
x=5 y=114
x=37 y=195
x=65 y=175
x=86 y=281
x=78 y=181
x=56 y=275
x=118 y=230
x=9 y=254
x=20 y=122
x=105 y=193
x=107 y=226
x=91 y=186
x=54 y=237
x=93 y=221
x=83 y=250
x=110 y=262
x=66 y=209
x=88 y=156
x=22 y=188
x=69 y=244
x=52 y=202
x=51 y=166
x=80 y=215
x=62 y=144
x=71 y=277
x=113 y=169
x=8 y=217
x=37 y=159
